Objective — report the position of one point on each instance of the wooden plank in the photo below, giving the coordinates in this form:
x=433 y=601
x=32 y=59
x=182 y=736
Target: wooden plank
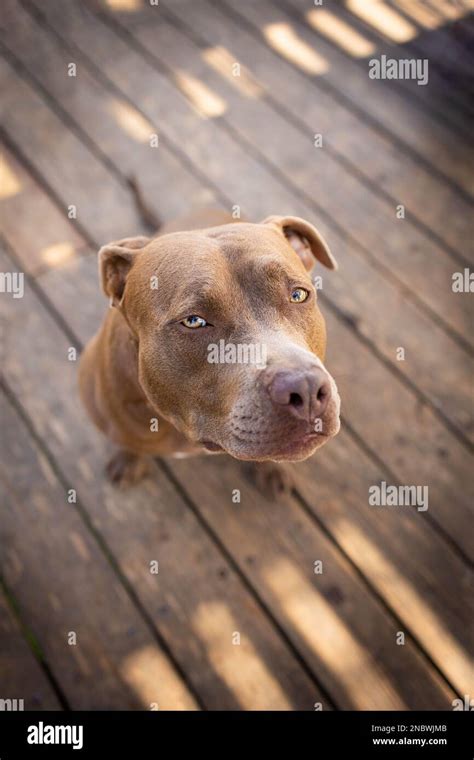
x=276 y=545
x=328 y=615
x=64 y=585
x=121 y=131
x=411 y=567
x=65 y=163
x=21 y=676
x=369 y=99
x=410 y=588
x=404 y=433
x=444 y=102
x=426 y=434
x=196 y=601
x=44 y=238
x=170 y=110
x=359 y=145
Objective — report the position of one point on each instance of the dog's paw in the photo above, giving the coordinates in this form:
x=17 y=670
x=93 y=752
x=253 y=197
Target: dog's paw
x=273 y=480
x=125 y=469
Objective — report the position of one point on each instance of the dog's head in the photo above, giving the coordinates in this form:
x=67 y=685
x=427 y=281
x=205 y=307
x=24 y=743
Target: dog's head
x=231 y=341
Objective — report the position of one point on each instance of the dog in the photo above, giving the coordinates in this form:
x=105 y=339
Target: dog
x=210 y=284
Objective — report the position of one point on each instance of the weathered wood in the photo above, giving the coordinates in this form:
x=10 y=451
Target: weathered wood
x=425 y=432
x=278 y=545
x=277 y=558
x=390 y=111
x=21 y=676
x=44 y=238
x=426 y=346
x=65 y=586
x=346 y=135
x=404 y=434
x=196 y=601
x=63 y=159
x=433 y=24
x=446 y=103
x=417 y=574
x=283 y=544
x=122 y=133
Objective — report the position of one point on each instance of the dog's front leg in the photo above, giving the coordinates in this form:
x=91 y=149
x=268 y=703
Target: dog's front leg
x=126 y=468
x=272 y=479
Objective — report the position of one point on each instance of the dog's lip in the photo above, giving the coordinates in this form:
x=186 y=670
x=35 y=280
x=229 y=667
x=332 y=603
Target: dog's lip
x=296 y=444
x=211 y=446
x=293 y=445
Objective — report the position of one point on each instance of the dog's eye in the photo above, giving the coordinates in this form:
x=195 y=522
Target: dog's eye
x=299 y=295
x=194 y=321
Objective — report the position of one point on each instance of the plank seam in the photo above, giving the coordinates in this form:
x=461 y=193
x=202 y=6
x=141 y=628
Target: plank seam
x=32 y=641
x=109 y=85
x=213 y=535
x=435 y=525
x=45 y=187
x=380 y=598
x=342 y=99
x=392 y=615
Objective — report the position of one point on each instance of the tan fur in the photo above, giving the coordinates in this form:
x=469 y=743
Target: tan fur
x=144 y=365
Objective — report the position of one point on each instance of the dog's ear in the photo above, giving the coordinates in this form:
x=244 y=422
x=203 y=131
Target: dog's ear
x=305 y=240
x=115 y=261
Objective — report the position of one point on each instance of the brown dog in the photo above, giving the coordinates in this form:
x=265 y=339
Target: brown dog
x=215 y=343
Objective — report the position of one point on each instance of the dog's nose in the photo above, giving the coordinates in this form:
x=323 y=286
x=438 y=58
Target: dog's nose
x=305 y=394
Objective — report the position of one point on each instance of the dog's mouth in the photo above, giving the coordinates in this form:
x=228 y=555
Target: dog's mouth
x=278 y=448
x=257 y=432
x=211 y=446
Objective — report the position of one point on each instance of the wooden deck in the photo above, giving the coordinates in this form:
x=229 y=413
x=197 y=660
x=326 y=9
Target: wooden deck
x=82 y=566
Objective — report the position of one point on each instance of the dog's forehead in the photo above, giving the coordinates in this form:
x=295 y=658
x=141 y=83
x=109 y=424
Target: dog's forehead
x=242 y=241
x=224 y=250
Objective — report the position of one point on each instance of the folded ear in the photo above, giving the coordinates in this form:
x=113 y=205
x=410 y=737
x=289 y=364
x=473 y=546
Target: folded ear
x=305 y=240
x=115 y=261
